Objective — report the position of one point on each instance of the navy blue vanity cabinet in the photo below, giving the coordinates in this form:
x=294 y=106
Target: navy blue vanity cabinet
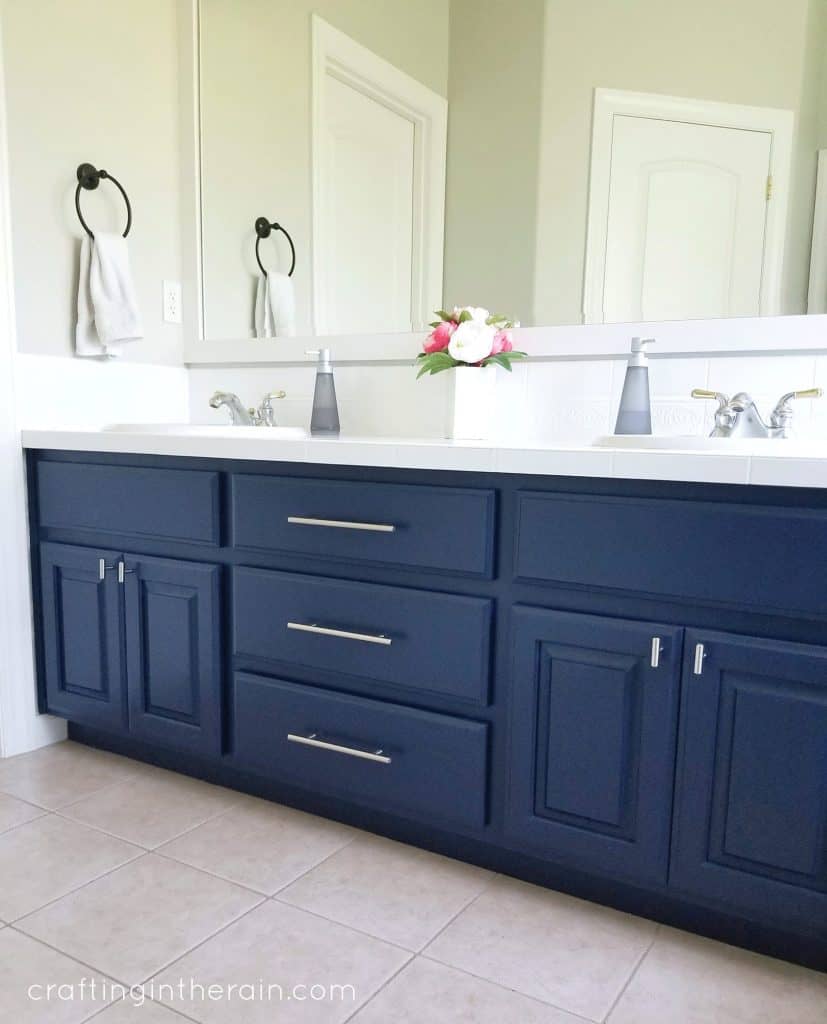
x=110 y=619
x=80 y=629
x=751 y=807
x=392 y=758
x=594 y=721
x=173 y=657
x=417 y=640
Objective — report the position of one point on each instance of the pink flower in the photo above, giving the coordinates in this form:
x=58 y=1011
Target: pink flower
x=503 y=342
x=438 y=339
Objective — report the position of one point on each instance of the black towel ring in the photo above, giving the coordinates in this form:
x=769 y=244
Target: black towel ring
x=263 y=229
x=89 y=177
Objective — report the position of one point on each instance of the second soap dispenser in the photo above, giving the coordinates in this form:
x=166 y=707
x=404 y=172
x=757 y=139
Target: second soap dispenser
x=324 y=421
x=634 y=415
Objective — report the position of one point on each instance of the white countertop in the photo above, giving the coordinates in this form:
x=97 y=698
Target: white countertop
x=746 y=463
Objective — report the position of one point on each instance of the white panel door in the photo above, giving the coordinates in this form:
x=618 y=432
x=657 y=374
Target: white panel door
x=367 y=196
x=686 y=220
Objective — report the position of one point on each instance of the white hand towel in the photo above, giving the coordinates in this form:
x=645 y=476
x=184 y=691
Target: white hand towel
x=107 y=308
x=263 y=314
x=282 y=302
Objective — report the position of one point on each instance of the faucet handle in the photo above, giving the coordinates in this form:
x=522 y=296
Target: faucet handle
x=266 y=413
x=721 y=399
x=806 y=393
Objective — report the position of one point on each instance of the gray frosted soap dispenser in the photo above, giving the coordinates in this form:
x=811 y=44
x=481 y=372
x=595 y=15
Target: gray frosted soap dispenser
x=324 y=421
x=634 y=416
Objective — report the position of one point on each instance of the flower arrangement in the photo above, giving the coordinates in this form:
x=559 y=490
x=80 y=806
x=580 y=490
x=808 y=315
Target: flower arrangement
x=468 y=336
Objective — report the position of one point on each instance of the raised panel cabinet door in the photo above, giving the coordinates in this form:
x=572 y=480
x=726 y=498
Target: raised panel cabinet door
x=80 y=629
x=593 y=728
x=173 y=652
x=751 y=799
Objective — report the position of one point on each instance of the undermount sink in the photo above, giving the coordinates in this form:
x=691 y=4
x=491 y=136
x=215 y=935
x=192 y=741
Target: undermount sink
x=209 y=430
x=789 y=446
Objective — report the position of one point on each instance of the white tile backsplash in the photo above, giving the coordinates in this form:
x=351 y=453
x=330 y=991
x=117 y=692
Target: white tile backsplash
x=563 y=401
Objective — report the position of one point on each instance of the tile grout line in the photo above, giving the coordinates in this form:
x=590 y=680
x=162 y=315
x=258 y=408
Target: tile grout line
x=81 y=963
x=202 y=942
x=628 y=982
x=110 y=871
x=149 y=849
x=381 y=988
x=339 y=924
x=505 y=988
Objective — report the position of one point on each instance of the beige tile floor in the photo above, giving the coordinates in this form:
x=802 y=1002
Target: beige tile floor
x=115 y=874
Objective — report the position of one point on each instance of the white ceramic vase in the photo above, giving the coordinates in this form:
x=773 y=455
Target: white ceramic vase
x=470 y=404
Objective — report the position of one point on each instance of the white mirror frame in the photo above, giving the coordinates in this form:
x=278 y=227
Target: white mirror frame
x=788 y=334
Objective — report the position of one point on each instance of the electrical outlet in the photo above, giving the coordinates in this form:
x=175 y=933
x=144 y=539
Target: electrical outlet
x=172 y=302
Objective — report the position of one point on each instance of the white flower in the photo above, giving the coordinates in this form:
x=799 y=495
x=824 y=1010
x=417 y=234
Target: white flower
x=472 y=341
x=475 y=312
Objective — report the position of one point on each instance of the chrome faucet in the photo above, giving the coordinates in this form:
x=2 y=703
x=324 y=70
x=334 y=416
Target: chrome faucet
x=739 y=416
x=264 y=416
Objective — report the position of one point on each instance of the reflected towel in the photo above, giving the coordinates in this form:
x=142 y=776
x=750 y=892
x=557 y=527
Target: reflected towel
x=275 y=313
x=107 y=308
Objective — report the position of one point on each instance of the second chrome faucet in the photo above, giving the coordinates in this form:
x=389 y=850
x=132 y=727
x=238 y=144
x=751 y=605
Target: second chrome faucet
x=263 y=416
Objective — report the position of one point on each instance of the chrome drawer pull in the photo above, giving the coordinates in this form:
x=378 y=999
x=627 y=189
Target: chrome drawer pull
x=341 y=524
x=102 y=567
x=654 y=659
x=700 y=654
x=313 y=741
x=342 y=634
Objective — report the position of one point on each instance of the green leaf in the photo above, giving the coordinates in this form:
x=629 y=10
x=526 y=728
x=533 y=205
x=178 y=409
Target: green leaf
x=435 y=323
x=501 y=359
x=434 y=362
x=464 y=315
x=443 y=314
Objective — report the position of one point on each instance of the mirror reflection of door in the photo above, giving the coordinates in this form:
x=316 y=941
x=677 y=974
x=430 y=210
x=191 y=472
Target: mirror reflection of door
x=379 y=143
x=685 y=228
x=366 y=217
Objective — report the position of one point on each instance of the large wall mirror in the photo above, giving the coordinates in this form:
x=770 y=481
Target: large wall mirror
x=558 y=161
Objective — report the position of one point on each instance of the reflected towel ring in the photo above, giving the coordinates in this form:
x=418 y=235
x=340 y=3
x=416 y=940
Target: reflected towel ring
x=89 y=177
x=263 y=229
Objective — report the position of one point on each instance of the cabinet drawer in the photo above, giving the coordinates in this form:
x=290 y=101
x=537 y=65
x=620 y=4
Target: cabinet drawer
x=447 y=529
x=743 y=555
x=167 y=504
x=424 y=642
x=397 y=759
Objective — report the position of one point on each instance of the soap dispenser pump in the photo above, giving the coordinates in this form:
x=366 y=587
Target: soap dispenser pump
x=634 y=416
x=324 y=421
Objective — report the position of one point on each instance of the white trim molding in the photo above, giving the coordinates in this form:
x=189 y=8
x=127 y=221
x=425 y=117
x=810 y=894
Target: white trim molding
x=817 y=294
x=22 y=728
x=336 y=54
x=611 y=103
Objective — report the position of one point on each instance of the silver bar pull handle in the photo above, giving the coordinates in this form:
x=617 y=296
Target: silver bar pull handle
x=342 y=634
x=341 y=524
x=654 y=660
x=102 y=567
x=313 y=741
x=700 y=654
x=122 y=571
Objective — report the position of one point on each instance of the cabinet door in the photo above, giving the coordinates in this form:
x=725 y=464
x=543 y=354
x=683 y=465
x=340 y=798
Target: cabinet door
x=594 y=719
x=81 y=635
x=751 y=808
x=173 y=652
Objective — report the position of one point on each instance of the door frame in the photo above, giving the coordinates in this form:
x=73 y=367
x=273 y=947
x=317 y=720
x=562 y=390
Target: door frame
x=22 y=728
x=336 y=54
x=817 y=293
x=611 y=103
